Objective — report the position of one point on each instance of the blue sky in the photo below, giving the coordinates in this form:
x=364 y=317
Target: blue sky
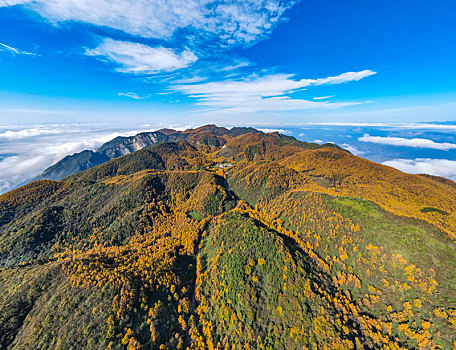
x=232 y=62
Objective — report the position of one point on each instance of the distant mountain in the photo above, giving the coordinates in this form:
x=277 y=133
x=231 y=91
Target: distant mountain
x=229 y=240
x=206 y=135
x=73 y=164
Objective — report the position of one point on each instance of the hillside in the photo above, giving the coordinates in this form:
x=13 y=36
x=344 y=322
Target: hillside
x=290 y=246
x=120 y=146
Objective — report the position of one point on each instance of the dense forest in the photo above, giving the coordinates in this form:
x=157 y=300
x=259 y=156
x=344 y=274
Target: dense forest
x=230 y=240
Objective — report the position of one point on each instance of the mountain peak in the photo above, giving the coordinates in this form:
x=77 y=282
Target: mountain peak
x=166 y=131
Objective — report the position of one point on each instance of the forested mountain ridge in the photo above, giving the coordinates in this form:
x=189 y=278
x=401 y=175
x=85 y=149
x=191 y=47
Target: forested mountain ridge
x=248 y=240
x=119 y=146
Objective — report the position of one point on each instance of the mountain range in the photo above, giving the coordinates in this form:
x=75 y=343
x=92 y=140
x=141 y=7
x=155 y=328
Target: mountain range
x=120 y=146
x=226 y=239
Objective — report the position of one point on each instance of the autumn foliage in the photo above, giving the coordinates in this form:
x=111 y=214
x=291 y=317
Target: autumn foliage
x=294 y=246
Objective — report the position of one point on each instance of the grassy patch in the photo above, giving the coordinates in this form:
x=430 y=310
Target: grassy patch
x=418 y=242
x=195 y=215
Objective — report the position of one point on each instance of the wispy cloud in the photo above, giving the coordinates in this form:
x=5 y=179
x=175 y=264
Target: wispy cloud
x=237 y=65
x=263 y=93
x=225 y=23
x=268 y=85
x=189 y=80
x=322 y=97
x=15 y=51
x=439 y=167
x=133 y=95
x=141 y=59
x=420 y=126
x=4 y=3
x=415 y=142
x=342 y=78
x=429 y=113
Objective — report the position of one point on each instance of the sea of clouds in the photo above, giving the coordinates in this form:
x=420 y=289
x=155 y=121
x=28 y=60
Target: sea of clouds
x=25 y=151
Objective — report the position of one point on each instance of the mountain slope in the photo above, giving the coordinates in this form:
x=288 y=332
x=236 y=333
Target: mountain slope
x=72 y=164
x=211 y=135
x=292 y=247
x=402 y=194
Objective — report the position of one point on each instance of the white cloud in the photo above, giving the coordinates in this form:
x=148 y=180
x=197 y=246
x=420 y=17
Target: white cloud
x=15 y=51
x=193 y=79
x=281 y=131
x=440 y=167
x=265 y=93
x=133 y=95
x=4 y=3
x=141 y=59
x=253 y=104
x=228 y=22
x=420 y=126
x=353 y=149
x=318 y=141
x=269 y=85
x=24 y=133
x=343 y=78
x=415 y=142
x=29 y=160
x=323 y=97
x=239 y=64
x=27 y=152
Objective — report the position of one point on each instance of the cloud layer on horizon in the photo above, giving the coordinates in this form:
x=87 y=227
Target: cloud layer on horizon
x=25 y=152
x=25 y=133
x=415 y=142
x=440 y=167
